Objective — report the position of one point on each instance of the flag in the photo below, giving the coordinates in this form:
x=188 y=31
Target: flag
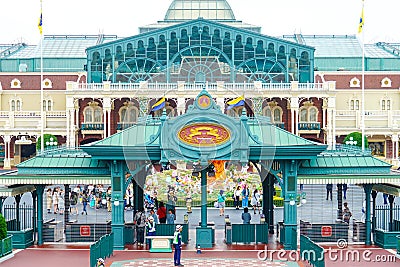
x=158 y=105
x=361 y=23
x=238 y=101
x=40 y=23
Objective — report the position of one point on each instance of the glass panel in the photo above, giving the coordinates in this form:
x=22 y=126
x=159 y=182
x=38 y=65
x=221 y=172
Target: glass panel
x=383 y=104
x=303 y=115
x=313 y=114
x=44 y=105
x=357 y=105
x=352 y=104
x=88 y=115
x=49 y=105
x=18 y=105
x=388 y=104
x=132 y=115
x=97 y=115
x=123 y=115
x=277 y=115
x=267 y=112
x=12 y=105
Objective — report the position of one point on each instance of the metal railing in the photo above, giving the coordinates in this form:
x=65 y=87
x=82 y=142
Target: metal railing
x=6 y=246
x=103 y=248
x=311 y=252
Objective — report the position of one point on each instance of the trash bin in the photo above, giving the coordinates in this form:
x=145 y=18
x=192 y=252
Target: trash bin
x=228 y=233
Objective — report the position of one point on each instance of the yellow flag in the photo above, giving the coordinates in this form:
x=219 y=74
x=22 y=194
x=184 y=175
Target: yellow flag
x=361 y=24
x=40 y=24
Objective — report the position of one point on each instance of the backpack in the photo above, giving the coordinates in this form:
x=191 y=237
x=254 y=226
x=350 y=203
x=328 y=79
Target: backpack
x=139 y=220
x=74 y=199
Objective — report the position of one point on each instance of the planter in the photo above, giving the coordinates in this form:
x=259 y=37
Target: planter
x=5 y=246
x=22 y=239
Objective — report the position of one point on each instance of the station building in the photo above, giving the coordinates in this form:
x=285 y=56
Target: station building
x=97 y=85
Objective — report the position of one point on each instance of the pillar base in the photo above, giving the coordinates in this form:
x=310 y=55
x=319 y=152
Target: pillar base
x=290 y=234
x=205 y=237
x=119 y=242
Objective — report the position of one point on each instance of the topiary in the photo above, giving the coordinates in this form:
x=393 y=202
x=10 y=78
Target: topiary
x=355 y=139
x=46 y=138
x=3 y=227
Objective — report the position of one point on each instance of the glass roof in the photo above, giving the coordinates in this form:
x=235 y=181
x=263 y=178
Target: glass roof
x=181 y=10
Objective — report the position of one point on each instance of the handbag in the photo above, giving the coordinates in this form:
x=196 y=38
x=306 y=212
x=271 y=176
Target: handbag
x=215 y=204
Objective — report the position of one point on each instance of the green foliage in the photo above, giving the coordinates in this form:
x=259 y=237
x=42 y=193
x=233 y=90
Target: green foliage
x=3 y=227
x=46 y=138
x=356 y=136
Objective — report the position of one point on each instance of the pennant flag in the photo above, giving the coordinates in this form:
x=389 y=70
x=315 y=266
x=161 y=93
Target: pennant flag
x=361 y=23
x=238 y=101
x=40 y=23
x=158 y=105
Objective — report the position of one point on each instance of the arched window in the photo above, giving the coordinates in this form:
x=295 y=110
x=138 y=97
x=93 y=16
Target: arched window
x=308 y=112
x=15 y=105
x=313 y=114
x=303 y=115
x=128 y=114
x=385 y=104
x=93 y=113
x=277 y=115
x=354 y=104
x=47 y=105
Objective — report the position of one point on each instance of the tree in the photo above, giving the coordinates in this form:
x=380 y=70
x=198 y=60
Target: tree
x=3 y=227
x=48 y=138
x=354 y=139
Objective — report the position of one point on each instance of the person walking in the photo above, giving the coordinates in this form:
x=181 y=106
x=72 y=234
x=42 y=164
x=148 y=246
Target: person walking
x=140 y=222
x=61 y=202
x=84 y=202
x=221 y=202
x=255 y=201
x=162 y=213
x=151 y=228
x=245 y=196
x=74 y=202
x=246 y=217
x=49 y=200
x=177 y=243
x=55 y=200
x=329 y=188
x=346 y=213
x=236 y=197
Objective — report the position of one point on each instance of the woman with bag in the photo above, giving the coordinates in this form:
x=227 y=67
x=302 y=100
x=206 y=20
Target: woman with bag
x=221 y=202
x=255 y=201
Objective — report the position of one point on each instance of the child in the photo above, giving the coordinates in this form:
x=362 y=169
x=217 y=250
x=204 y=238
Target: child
x=170 y=217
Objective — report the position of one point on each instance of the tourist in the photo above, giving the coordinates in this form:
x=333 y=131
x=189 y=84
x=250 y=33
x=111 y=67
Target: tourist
x=329 y=188
x=177 y=243
x=154 y=215
x=55 y=200
x=346 y=213
x=151 y=227
x=49 y=200
x=344 y=188
x=236 y=197
x=255 y=201
x=140 y=222
x=61 y=202
x=162 y=213
x=170 y=217
x=246 y=217
x=245 y=196
x=221 y=202
x=84 y=202
x=74 y=203
x=385 y=198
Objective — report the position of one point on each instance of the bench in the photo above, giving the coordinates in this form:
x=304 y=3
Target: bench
x=160 y=243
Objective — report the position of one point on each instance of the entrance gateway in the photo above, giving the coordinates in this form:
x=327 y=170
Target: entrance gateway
x=201 y=135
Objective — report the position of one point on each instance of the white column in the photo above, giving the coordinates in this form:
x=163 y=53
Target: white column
x=106 y=109
x=181 y=106
x=331 y=124
x=109 y=122
x=294 y=108
x=70 y=121
x=7 y=141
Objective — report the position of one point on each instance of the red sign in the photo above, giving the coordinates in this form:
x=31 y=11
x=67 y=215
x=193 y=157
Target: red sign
x=85 y=230
x=326 y=231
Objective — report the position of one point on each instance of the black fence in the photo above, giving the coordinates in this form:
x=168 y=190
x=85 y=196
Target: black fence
x=19 y=218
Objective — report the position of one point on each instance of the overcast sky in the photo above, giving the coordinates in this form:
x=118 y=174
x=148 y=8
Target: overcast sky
x=19 y=18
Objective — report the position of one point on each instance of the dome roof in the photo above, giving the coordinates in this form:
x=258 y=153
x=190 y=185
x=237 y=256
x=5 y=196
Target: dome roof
x=181 y=10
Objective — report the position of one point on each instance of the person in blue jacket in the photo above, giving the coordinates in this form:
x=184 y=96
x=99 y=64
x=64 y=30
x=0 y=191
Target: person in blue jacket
x=177 y=243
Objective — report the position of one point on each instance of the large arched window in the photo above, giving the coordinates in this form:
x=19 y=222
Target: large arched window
x=128 y=114
x=308 y=112
x=274 y=112
x=47 y=105
x=93 y=113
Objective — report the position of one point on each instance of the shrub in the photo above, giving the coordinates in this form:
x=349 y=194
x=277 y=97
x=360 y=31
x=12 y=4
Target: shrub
x=356 y=136
x=3 y=227
x=46 y=138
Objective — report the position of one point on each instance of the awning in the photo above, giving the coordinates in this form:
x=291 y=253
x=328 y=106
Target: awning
x=54 y=179
x=15 y=190
x=390 y=189
x=389 y=178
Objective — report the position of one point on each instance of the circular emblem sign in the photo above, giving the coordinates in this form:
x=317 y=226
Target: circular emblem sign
x=204 y=134
x=204 y=101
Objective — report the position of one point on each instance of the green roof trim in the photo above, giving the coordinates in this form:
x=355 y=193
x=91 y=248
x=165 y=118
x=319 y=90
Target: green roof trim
x=351 y=178
x=26 y=179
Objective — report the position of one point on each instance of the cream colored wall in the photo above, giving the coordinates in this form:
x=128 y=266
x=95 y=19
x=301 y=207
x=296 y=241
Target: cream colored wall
x=372 y=99
x=31 y=99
